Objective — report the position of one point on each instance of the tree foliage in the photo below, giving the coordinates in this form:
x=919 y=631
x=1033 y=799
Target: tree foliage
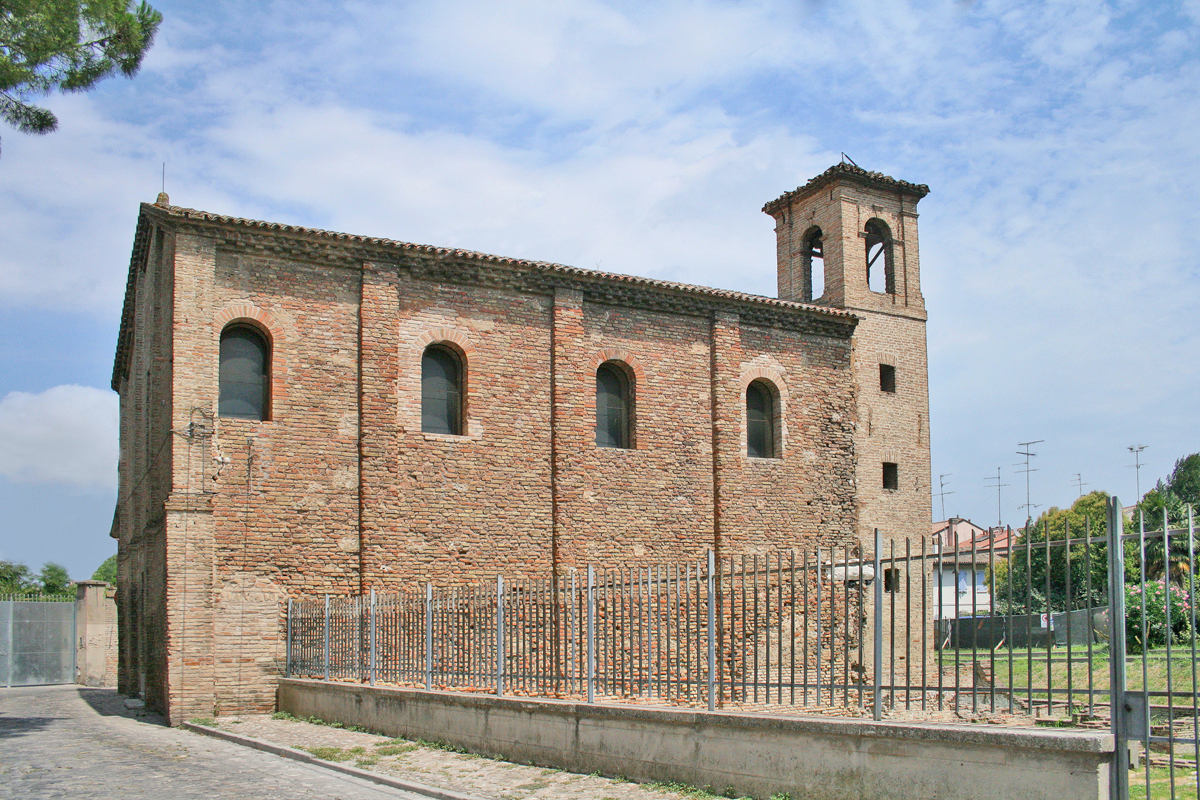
x=68 y=46
x=107 y=571
x=53 y=579
x=1034 y=573
x=16 y=578
x=1173 y=496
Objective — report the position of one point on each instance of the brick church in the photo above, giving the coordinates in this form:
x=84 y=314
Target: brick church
x=310 y=412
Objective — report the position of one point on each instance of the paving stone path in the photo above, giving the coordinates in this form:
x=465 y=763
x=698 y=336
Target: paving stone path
x=70 y=741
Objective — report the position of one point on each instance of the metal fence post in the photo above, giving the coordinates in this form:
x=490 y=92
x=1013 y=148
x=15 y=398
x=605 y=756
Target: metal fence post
x=712 y=631
x=1119 y=782
x=287 y=663
x=428 y=636
x=373 y=651
x=499 y=635
x=591 y=634
x=9 y=638
x=878 y=655
x=326 y=669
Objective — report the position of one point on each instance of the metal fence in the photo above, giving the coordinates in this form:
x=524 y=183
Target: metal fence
x=37 y=640
x=1042 y=632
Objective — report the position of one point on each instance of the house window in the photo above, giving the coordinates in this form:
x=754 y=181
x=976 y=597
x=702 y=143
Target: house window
x=761 y=420
x=245 y=370
x=441 y=391
x=614 y=407
x=891 y=476
x=887 y=378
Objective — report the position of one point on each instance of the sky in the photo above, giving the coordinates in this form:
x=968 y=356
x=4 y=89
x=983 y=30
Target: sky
x=1059 y=241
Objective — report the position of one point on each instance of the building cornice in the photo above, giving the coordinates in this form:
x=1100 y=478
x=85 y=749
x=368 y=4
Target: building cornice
x=847 y=173
x=449 y=265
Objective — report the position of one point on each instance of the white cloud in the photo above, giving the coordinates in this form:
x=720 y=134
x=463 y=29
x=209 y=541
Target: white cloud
x=66 y=434
x=1058 y=140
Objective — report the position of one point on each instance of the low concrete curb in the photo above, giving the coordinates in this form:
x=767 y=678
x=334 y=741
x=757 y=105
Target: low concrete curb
x=308 y=758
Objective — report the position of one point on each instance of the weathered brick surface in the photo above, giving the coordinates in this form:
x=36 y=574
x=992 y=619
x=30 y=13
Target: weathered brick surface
x=340 y=491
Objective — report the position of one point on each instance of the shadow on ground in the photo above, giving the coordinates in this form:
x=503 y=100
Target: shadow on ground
x=107 y=703
x=12 y=727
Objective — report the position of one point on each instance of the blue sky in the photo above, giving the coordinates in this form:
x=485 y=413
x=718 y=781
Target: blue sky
x=1058 y=244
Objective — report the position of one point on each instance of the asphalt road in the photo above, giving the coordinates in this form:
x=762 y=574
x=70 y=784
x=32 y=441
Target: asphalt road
x=71 y=741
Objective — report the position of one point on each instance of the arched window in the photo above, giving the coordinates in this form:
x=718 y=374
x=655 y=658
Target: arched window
x=614 y=407
x=880 y=273
x=441 y=391
x=245 y=382
x=814 y=265
x=762 y=420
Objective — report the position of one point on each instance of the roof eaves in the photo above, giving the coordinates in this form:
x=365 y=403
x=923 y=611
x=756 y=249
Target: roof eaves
x=852 y=173
x=576 y=272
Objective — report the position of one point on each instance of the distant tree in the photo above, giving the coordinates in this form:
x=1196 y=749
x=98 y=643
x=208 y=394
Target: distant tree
x=1025 y=573
x=107 y=571
x=68 y=46
x=53 y=579
x=1184 y=481
x=14 y=578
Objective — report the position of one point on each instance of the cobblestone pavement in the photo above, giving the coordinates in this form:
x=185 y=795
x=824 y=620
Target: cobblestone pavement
x=70 y=741
x=461 y=772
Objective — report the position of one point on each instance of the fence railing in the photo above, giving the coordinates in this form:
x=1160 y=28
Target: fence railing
x=826 y=628
x=1055 y=623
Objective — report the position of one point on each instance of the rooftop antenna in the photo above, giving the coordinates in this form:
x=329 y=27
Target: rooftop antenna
x=1079 y=484
x=1137 y=449
x=942 y=491
x=1025 y=451
x=846 y=158
x=999 y=516
x=164 y=178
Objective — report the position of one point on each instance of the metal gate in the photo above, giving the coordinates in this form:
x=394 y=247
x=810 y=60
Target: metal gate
x=37 y=641
x=1154 y=658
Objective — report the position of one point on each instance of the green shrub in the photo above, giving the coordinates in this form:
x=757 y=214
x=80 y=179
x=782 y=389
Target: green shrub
x=1157 y=596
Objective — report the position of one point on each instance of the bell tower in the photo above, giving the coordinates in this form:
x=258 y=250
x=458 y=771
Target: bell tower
x=848 y=239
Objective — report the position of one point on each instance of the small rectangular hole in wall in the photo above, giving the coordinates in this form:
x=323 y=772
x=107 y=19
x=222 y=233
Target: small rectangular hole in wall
x=891 y=475
x=887 y=378
x=891 y=580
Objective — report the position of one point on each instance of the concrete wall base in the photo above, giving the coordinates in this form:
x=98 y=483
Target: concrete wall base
x=815 y=758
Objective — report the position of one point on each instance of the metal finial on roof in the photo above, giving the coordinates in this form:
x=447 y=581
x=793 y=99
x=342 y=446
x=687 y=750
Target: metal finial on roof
x=846 y=158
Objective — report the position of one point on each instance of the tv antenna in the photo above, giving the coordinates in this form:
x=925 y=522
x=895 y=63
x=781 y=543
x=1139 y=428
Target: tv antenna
x=942 y=491
x=1079 y=484
x=999 y=520
x=1137 y=449
x=1025 y=451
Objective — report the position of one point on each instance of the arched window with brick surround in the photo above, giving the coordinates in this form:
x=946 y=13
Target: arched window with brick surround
x=762 y=420
x=245 y=373
x=441 y=391
x=614 y=406
x=814 y=265
x=881 y=275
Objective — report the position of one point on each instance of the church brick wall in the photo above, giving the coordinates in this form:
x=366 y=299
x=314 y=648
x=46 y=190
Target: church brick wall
x=341 y=492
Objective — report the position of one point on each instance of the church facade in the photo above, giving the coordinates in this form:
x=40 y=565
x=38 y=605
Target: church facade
x=309 y=412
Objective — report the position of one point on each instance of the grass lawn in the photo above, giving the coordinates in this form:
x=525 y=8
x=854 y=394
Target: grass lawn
x=1024 y=671
x=1160 y=784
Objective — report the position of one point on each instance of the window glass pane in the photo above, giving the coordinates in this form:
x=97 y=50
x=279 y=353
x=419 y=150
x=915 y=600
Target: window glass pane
x=243 y=374
x=760 y=428
x=612 y=411
x=441 y=392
